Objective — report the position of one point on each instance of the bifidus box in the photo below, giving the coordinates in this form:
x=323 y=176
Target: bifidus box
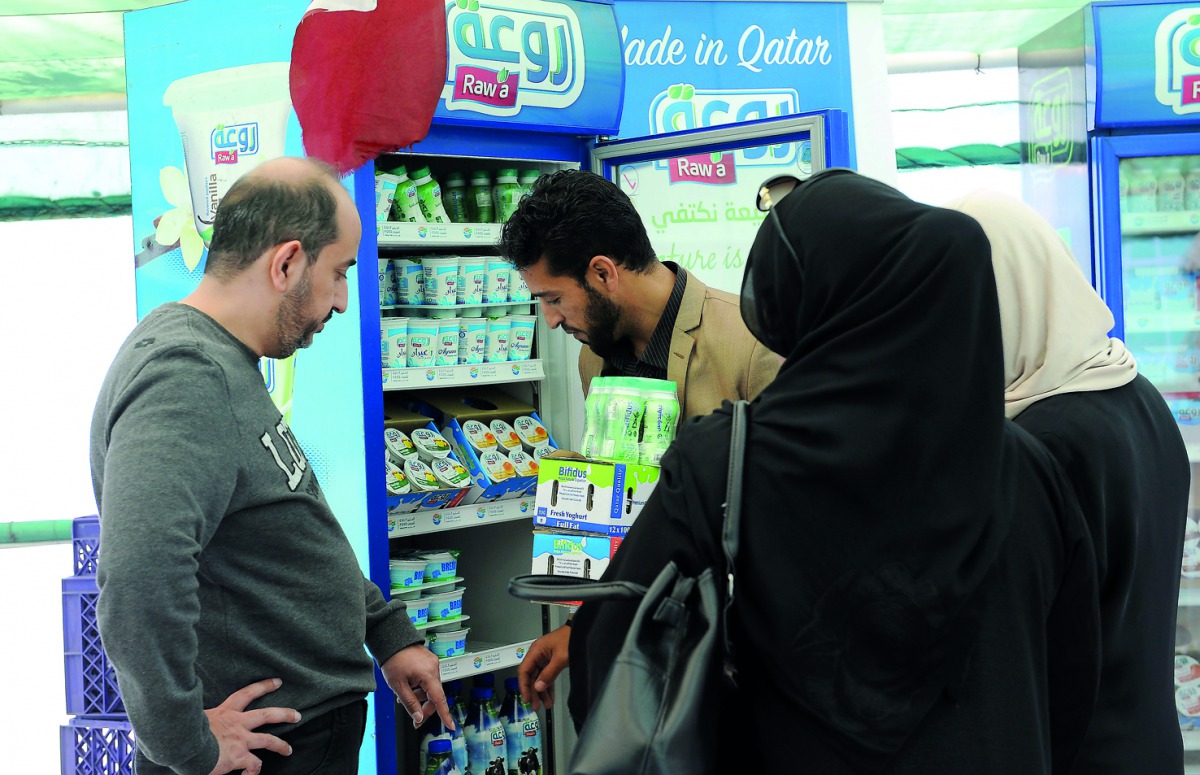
x=575 y=493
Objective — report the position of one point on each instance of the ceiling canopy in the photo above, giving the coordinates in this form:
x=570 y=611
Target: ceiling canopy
x=74 y=48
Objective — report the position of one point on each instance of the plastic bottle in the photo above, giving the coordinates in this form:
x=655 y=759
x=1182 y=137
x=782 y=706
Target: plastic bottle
x=454 y=197
x=527 y=179
x=429 y=196
x=658 y=425
x=440 y=762
x=1191 y=188
x=405 y=207
x=479 y=198
x=593 y=425
x=439 y=733
x=523 y=731
x=506 y=194
x=622 y=422
x=1143 y=190
x=1170 y=194
x=487 y=748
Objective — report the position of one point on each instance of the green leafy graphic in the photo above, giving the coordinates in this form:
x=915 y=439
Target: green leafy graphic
x=461 y=4
x=472 y=5
x=502 y=76
x=674 y=91
x=688 y=92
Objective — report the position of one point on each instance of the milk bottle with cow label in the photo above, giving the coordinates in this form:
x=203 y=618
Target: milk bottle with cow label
x=523 y=731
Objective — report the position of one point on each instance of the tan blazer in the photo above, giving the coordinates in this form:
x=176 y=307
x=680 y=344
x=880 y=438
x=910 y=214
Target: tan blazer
x=713 y=356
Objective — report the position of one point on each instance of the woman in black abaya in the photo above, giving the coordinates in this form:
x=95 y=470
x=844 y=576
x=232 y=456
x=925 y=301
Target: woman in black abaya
x=903 y=545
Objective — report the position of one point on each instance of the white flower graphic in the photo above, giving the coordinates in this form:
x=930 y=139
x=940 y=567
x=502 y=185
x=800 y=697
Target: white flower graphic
x=178 y=225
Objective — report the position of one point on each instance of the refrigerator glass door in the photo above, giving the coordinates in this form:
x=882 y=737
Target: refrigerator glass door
x=696 y=190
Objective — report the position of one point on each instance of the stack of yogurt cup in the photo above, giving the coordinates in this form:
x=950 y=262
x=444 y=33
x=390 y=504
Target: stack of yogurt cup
x=508 y=451
x=464 y=316
x=427 y=583
x=421 y=462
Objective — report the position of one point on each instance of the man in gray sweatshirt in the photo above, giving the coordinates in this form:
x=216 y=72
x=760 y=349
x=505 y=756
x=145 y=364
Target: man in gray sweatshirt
x=225 y=576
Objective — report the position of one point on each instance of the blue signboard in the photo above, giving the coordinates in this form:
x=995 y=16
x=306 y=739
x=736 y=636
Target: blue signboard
x=694 y=65
x=542 y=64
x=1147 y=64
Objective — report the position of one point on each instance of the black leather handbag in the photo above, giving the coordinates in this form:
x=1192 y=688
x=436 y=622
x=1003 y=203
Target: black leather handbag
x=656 y=713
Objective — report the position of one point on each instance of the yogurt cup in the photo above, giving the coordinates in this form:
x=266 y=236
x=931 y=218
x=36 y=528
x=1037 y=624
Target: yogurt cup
x=520 y=338
x=450 y=473
x=422 y=342
x=498 y=331
x=531 y=433
x=397 y=482
x=399 y=447
x=472 y=339
x=472 y=273
x=448 y=643
x=1187 y=700
x=408 y=573
x=479 y=437
x=420 y=477
x=499 y=272
x=418 y=610
x=496 y=466
x=445 y=605
x=1187 y=670
x=387 y=283
x=439 y=566
x=230 y=120
x=441 y=280
x=430 y=445
x=540 y=452
x=393 y=342
x=517 y=289
x=524 y=463
x=447 y=342
x=507 y=437
x=410 y=281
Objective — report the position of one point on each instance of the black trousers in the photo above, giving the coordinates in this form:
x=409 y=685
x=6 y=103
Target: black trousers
x=326 y=745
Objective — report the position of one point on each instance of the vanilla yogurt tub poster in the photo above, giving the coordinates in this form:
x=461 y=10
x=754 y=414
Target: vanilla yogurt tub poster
x=700 y=65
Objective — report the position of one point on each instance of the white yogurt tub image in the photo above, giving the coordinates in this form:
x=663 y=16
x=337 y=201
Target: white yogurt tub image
x=531 y=432
x=420 y=477
x=524 y=463
x=479 y=437
x=520 y=337
x=506 y=436
x=450 y=473
x=418 y=610
x=441 y=280
x=399 y=446
x=496 y=466
x=230 y=121
x=449 y=643
x=397 y=482
x=430 y=445
x=1187 y=670
x=422 y=342
x=498 y=332
x=540 y=452
x=407 y=573
x=439 y=566
x=445 y=605
x=410 y=280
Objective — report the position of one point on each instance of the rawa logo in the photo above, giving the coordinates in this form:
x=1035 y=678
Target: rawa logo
x=1177 y=61
x=683 y=106
x=502 y=59
x=227 y=143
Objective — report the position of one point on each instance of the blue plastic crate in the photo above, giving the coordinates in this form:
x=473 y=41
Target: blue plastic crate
x=85 y=535
x=90 y=680
x=92 y=746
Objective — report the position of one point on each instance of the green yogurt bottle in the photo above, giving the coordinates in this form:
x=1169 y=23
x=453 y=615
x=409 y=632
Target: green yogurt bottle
x=479 y=198
x=429 y=196
x=405 y=207
x=506 y=194
x=454 y=197
x=527 y=179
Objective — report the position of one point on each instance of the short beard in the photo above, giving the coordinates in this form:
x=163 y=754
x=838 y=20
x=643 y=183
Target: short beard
x=603 y=317
x=292 y=330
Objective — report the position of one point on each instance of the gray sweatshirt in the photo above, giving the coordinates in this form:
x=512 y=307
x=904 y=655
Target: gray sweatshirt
x=221 y=563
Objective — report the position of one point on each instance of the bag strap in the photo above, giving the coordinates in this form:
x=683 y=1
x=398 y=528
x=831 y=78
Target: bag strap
x=731 y=529
x=543 y=588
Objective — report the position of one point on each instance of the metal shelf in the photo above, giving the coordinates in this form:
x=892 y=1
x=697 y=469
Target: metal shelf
x=1160 y=322
x=1150 y=224
x=394 y=234
x=421 y=522
x=459 y=307
x=1191 y=741
x=463 y=374
x=484 y=658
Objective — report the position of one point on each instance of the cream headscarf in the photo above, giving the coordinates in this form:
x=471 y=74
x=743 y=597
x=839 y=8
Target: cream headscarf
x=1055 y=326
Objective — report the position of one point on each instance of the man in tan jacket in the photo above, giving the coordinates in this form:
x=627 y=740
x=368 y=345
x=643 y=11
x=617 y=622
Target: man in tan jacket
x=582 y=249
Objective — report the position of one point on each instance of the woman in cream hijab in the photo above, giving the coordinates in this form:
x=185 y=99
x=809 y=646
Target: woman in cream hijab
x=1078 y=391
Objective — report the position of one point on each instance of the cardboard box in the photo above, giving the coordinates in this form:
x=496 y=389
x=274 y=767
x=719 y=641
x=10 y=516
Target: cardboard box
x=582 y=555
x=407 y=422
x=575 y=493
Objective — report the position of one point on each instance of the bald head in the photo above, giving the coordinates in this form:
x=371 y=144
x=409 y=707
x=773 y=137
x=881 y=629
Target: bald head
x=283 y=199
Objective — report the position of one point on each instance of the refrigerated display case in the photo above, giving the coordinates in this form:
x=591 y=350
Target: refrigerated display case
x=1111 y=122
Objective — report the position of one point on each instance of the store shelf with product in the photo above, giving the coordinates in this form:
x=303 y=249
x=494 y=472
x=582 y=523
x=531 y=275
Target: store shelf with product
x=1155 y=223
x=463 y=374
x=421 y=522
